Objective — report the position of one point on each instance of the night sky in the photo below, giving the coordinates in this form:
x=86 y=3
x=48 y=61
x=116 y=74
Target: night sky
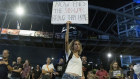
x=113 y=4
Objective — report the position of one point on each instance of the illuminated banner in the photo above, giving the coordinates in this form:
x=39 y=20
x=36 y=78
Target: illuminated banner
x=4 y=31
x=74 y=11
x=26 y=33
x=13 y=31
x=38 y=34
x=43 y=34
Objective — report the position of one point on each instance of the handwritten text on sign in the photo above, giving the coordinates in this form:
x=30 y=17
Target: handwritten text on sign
x=74 y=11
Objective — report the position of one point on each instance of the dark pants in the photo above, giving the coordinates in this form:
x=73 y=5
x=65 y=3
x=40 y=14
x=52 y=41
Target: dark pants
x=46 y=77
x=69 y=76
x=3 y=78
x=58 y=77
x=15 y=78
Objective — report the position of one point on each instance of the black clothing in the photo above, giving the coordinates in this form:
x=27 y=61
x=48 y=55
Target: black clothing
x=4 y=70
x=37 y=74
x=16 y=67
x=130 y=73
x=59 y=69
x=86 y=67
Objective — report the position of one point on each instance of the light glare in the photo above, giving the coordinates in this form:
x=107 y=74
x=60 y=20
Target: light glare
x=20 y=11
x=109 y=55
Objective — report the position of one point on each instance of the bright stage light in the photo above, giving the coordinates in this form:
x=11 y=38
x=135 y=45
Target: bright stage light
x=109 y=55
x=20 y=11
x=121 y=56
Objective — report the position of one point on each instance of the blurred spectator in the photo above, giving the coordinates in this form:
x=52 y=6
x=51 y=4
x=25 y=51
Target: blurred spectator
x=13 y=63
x=130 y=73
x=115 y=71
x=17 y=68
x=31 y=72
x=59 y=69
x=4 y=65
x=102 y=74
x=91 y=75
x=86 y=66
x=26 y=70
x=47 y=69
x=125 y=70
x=37 y=73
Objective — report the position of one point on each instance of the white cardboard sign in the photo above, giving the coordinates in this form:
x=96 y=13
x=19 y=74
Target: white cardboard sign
x=74 y=11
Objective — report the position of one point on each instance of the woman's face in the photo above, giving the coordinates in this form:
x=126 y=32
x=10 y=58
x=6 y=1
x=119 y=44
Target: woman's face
x=115 y=65
x=37 y=66
x=61 y=61
x=131 y=67
x=48 y=60
x=76 y=46
x=26 y=62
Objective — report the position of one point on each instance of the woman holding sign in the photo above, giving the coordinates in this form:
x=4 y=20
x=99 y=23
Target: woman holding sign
x=74 y=64
x=115 y=71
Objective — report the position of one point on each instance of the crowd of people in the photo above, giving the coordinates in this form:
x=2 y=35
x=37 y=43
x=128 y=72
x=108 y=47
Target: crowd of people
x=19 y=70
x=72 y=66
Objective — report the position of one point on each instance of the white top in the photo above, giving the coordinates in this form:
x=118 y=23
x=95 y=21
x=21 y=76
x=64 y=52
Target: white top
x=74 y=65
x=47 y=67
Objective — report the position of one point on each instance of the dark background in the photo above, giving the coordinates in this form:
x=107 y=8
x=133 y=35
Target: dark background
x=36 y=55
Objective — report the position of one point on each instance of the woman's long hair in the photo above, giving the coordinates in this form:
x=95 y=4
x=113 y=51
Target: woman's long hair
x=71 y=46
x=111 y=66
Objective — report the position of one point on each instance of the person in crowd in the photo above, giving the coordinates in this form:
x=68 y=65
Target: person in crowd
x=86 y=67
x=74 y=66
x=91 y=75
x=125 y=70
x=17 y=68
x=115 y=71
x=37 y=73
x=102 y=74
x=5 y=65
x=59 y=69
x=31 y=72
x=47 y=69
x=130 y=73
x=13 y=63
x=25 y=74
